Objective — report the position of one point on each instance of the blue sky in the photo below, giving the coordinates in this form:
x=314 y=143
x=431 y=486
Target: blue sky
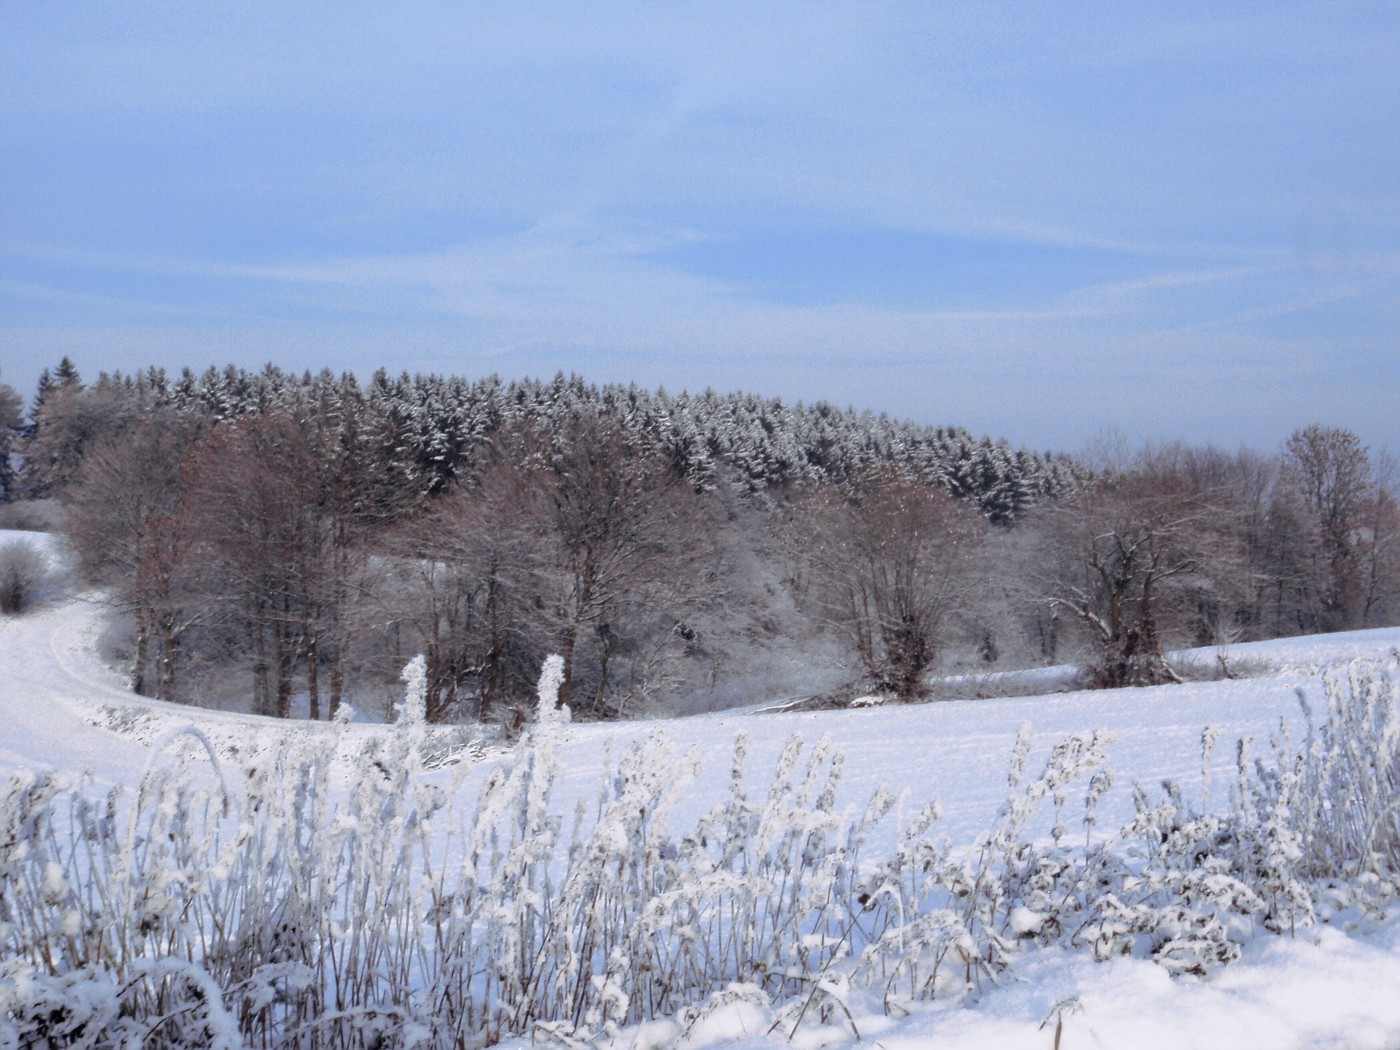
x=1039 y=221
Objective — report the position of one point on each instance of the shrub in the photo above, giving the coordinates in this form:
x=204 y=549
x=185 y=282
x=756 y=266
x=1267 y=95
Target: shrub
x=22 y=570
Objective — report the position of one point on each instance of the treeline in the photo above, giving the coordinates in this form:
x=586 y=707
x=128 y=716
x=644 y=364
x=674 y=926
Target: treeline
x=302 y=535
x=425 y=430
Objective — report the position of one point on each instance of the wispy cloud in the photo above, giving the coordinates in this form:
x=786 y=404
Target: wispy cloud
x=938 y=210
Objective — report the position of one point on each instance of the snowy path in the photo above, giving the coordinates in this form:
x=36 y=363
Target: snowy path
x=55 y=695
x=49 y=679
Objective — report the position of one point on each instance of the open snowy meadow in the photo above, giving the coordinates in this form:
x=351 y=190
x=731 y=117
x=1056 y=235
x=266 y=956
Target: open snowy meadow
x=1138 y=868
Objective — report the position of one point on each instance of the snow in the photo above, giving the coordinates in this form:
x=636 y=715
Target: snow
x=61 y=707
x=1332 y=991
x=1284 y=995
x=1024 y=921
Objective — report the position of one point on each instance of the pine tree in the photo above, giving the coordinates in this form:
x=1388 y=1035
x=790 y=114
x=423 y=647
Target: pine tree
x=11 y=433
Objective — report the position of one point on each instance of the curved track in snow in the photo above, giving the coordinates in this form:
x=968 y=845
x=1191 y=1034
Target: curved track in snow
x=49 y=683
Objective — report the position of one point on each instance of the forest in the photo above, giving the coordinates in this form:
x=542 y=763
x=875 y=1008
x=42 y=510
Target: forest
x=289 y=541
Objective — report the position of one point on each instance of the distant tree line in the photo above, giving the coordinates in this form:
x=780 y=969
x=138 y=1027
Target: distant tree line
x=300 y=534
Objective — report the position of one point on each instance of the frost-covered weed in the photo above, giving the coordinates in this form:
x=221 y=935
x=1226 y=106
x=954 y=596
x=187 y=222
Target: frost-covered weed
x=1343 y=789
x=946 y=921
x=278 y=904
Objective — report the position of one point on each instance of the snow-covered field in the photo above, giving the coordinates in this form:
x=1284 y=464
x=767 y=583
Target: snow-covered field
x=1328 y=986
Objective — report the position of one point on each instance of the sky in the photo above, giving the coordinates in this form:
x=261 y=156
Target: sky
x=1044 y=222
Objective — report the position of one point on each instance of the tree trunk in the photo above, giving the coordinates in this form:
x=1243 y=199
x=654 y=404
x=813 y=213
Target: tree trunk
x=169 y=657
x=261 y=688
x=567 y=652
x=491 y=678
x=286 y=655
x=337 y=686
x=608 y=639
x=143 y=644
x=313 y=684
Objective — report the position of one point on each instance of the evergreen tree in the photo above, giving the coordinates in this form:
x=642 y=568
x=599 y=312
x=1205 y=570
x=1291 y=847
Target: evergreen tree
x=11 y=433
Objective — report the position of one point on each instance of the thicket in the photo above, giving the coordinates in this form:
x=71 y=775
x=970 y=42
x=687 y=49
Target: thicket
x=272 y=905
x=300 y=536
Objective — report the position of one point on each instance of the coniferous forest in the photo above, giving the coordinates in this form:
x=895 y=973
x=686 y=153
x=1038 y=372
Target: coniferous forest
x=286 y=542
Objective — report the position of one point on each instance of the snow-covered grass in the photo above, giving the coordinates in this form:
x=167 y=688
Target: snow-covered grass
x=710 y=881
x=267 y=904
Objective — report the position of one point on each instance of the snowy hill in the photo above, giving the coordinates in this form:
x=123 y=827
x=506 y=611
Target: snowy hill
x=1329 y=986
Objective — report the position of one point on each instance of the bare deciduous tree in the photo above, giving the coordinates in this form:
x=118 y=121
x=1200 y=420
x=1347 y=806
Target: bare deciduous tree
x=254 y=504
x=892 y=559
x=1378 y=547
x=477 y=561
x=1131 y=551
x=630 y=538
x=127 y=525
x=1331 y=471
